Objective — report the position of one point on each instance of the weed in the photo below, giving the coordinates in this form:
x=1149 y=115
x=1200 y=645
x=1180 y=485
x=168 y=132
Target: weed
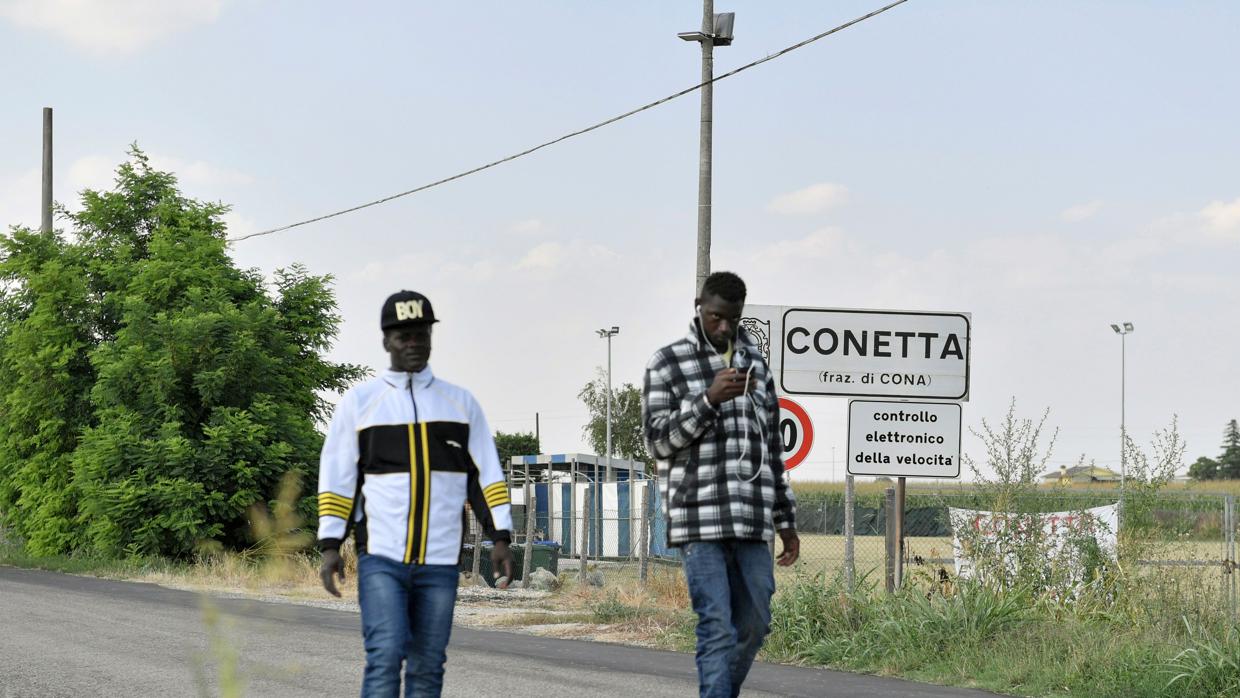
x=1209 y=666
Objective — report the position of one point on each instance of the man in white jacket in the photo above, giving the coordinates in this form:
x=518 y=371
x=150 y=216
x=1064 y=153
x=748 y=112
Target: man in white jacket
x=404 y=452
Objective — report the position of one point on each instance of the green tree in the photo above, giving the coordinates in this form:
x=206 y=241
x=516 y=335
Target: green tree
x=153 y=391
x=1229 y=461
x=1204 y=469
x=515 y=444
x=626 y=419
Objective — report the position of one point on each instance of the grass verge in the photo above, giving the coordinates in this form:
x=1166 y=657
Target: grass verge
x=1009 y=641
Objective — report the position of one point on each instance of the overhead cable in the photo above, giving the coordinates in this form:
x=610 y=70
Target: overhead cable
x=567 y=136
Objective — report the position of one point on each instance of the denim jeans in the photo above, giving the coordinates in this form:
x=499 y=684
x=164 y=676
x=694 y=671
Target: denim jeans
x=406 y=616
x=731 y=584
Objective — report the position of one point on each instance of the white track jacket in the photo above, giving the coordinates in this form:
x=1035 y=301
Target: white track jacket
x=402 y=455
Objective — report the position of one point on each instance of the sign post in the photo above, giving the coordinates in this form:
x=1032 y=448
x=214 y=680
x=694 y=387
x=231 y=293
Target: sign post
x=887 y=356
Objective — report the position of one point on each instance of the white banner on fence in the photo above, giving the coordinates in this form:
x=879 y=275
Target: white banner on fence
x=992 y=528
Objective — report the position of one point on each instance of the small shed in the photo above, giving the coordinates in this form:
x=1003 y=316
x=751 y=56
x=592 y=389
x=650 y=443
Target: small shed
x=576 y=492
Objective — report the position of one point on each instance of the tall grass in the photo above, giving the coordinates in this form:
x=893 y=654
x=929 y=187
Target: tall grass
x=1007 y=640
x=1037 y=617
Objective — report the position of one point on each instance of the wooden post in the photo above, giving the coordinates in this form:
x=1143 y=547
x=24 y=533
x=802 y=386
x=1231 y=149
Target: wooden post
x=531 y=512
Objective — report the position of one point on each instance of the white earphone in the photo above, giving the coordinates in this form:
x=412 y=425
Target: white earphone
x=739 y=356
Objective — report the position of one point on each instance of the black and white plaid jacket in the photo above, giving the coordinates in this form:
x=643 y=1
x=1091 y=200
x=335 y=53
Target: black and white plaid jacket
x=699 y=447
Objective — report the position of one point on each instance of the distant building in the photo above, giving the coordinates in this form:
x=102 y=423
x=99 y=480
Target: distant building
x=1081 y=474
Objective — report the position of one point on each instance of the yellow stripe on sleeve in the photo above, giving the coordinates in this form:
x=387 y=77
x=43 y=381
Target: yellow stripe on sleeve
x=334 y=511
x=333 y=498
x=496 y=494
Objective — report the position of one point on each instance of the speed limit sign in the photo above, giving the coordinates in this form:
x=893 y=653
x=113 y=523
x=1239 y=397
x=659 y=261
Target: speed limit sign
x=796 y=432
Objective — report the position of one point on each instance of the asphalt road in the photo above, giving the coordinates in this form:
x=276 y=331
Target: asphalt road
x=66 y=635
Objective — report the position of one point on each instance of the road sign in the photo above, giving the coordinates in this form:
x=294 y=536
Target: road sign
x=875 y=353
x=796 y=431
x=863 y=353
x=904 y=439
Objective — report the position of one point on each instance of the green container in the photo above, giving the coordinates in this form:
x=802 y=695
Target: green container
x=546 y=555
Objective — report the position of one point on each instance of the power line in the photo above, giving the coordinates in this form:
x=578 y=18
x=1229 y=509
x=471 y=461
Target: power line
x=565 y=137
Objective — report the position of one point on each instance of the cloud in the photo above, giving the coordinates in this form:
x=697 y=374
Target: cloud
x=91 y=172
x=1080 y=212
x=238 y=225
x=1222 y=218
x=819 y=244
x=528 y=227
x=556 y=256
x=110 y=26
x=815 y=198
x=548 y=255
x=20 y=192
x=200 y=174
x=19 y=199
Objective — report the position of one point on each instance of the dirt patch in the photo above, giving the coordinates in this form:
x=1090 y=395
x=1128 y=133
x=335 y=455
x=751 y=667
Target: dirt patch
x=570 y=613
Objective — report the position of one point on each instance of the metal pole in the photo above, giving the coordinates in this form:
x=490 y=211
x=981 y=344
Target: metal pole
x=889 y=499
x=1230 y=568
x=531 y=512
x=47 y=171
x=610 y=475
x=643 y=549
x=704 y=143
x=609 y=401
x=572 y=509
x=900 y=490
x=850 y=525
x=585 y=529
x=1123 y=430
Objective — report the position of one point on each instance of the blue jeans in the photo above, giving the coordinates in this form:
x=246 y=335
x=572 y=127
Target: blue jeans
x=406 y=616
x=731 y=584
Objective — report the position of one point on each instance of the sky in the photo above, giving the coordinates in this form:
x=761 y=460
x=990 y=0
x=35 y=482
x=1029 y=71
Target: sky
x=1049 y=168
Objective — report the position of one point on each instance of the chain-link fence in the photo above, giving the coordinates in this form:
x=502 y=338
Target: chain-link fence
x=1181 y=544
x=605 y=527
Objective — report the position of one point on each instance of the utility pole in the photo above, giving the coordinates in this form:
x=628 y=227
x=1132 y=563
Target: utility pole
x=716 y=31
x=609 y=404
x=1123 y=330
x=608 y=334
x=47 y=171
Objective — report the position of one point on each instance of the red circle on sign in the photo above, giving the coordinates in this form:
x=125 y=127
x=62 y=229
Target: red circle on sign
x=807 y=431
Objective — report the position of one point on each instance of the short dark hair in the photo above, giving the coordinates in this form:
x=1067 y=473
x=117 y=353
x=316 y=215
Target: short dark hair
x=726 y=285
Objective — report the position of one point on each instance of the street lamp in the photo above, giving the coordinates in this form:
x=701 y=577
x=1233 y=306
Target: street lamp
x=1123 y=330
x=716 y=31
x=608 y=334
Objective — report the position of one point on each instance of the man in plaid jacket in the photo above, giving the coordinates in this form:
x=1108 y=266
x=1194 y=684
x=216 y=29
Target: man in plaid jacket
x=711 y=419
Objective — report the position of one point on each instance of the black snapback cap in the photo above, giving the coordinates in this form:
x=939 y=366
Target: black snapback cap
x=406 y=308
